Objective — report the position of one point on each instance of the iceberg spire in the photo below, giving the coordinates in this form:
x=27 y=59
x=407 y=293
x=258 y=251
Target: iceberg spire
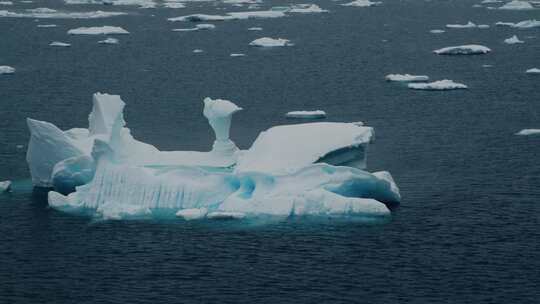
x=219 y=114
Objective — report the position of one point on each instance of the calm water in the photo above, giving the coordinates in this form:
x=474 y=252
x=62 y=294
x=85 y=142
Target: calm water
x=466 y=232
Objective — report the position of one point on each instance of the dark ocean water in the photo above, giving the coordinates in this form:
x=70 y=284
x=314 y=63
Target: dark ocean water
x=467 y=230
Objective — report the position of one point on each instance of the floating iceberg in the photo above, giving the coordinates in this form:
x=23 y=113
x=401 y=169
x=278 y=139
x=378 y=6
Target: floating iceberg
x=460 y=26
x=202 y=26
x=526 y=24
x=406 y=78
x=5 y=186
x=109 y=40
x=525 y=132
x=306 y=114
x=237 y=55
x=470 y=49
x=59 y=44
x=490 y=1
x=436 y=31
x=270 y=42
x=533 y=71
x=196 y=51
x=5 y=69
x=98 y=30
x=513 y=40
x=230 y=16
x=306 y=9
x=517 y=5
x=362 y=3
x=174 y=5
x=139 y=3
x=441 y=85
x=46 y=13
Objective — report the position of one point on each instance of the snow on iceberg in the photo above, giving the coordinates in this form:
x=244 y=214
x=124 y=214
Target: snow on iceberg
x=441 y=85
x=526 y=132
x=6 y=69
x=59 y=44
x=5 y=186
x=513 y=40
x=362 y=3
x=470 y=49
x=46 y=13
x=98 y=30
x=533 y=71
x=517 y=5
x=306 y=114
x=270 y=42
x=406 y=78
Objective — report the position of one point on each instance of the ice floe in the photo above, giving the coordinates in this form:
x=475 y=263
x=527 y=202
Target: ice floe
x=513 y=40
x=237 y=55
x=139 y=3
x=46 y=25
x=435 y=31
x=6 y=69
x=306 y=114
x=306 y=9
x=533 y=71
x=202 y=26
x=470 y=24
x=59 y=44
x=526 y=24
x=469 y=49
x=6 y=3
x=197 y=51
x=517 y=5
x=192 y=214
x=174 y=5
x=46 y=13
x=230 y=16
x=109 y=40
x=5 y=186
x=98 y=30
x=255 y=29
x=270 y=42
x=525 y=132
x=363 y=3
x=441 y=85
x=406 y=78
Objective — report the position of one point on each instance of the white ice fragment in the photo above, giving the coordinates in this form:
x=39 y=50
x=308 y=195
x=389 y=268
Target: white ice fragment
x=59 y=44
x=46 y=25
x=306 y=9
x=197 y=51
x=406 y=78
x=109 y=40
x=237 y=55
x=461 y=26
x=5 y=69
x=533 y=71
x=230 y=16
x=224 y=215
x=202 y=26
x=440 y=85
x=436 y=31
x=192 y=214
x=306 y=114
x=513 y=40
x=46 y=13
x=525 y=132
x=517 y=5
x=5 y=186
x=270 y=42
x=6 y=3
x=98 y=30
x=255 y=29
x=526 y=24
x=470 y=49
x=174 y=5
x=362 y=3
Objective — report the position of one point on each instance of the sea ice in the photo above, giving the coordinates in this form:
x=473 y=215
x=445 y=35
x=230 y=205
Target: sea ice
x=230 y=16
x=533 y=71
x=362 y=3
x=237 y=55
x=460 y=26
x=98 y=30
x=306 y=9
x=46 y=13
x=513 y=40
x=202 y=26
x=6 y=3
x=436 y=31
x=526 y=24
x=46 y=25
x=5 y=69
x=306 y=114
x=255 y=29
x=470 y=49
x=517 y=5
x=109 y=40
x=528 y=132
x=441 y=85
x=174 y=5
x=406 y=78
x=192 y=214
x=270 y=42
x=59 y=44
x=196 y=51
x=5 y=186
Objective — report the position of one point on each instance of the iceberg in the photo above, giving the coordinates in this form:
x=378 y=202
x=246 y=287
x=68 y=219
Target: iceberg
x=230 y=16
x=270 y=42
x=46 y=13
x=197 y=51
x=5 y=186
x=255 y=29
x=526 y=24
x=460 y=26
x=517 y=5
x=6 y=69
x=109 y=40
x=139 y=3
x=406 y=78
x=60 y=44
x=526 y=132
x=98 y=30
x=192 y=214
x=306 y=9
x=237 y=55
x=513 y=40
x=470 y=49
x=441 y=85
x=436 y=31
x=306 y=114
x=174 y=5
x=362 y=3
x=6 y=3
x=202 y=26
x=533 y=71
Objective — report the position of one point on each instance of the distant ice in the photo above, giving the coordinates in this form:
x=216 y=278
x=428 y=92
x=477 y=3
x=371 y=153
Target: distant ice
x=406 y=78
x=5 y=69
x=255 y=29
x=306 y=114
x=109 y=40
x=470 y=49
x=230 y=16
x=517 y=5
x=197 y=51
x=6 y=3
x=46 y=13
x=306 y=9
x=437 y=31
x=270 y=42
x=237 y=55
x=490 y=1
x=513 y=40
x=362 y=3
x=59 y=44
x=98 y=30
x=202 y=26
x=533 y=71
x=5 y=186
x=469 y=24
x=174 y=5
x=526 y=24
x=139 y=3
x=46 y=25
x=440 y=85
x=528 y=132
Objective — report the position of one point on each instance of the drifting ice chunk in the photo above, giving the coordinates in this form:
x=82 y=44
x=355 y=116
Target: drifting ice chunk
x=230 y=16
x=440 y=85
x=46 y=13
x=174 y=5
x=526 y=24
x=5 y=186
x=528 y=132
x=192 y=214
x=46 y=25
x=306 y=114
x=197 y=51
x=406 y=77
x=98 y=30
x=460 y=26
x=6 y=3
x=533 y=71
x=109 y=40
x=237 y=55
x=513 y=40
x=203 y=26
x=306 y=9
x=287 y=148
x=436 y=31
x=60 y=44
x=362 y=3
x=5 y=69
x=517 y=6
x=270 y=42
x=223 y=215
x=255 y=29
x=471 y=49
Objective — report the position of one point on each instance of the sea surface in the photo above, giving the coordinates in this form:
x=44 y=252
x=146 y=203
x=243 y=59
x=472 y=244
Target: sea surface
x=468 y=227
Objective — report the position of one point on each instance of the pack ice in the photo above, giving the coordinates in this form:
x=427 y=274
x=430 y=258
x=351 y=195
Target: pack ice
x=302 y=169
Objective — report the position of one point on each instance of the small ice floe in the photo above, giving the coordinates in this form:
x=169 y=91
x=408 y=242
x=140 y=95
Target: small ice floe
x=482 y=26
x=437 y=31
x=487 y=65
x=192 y=214
x=139 y=3
x=513 y=40
x=59 y=44
x=517 y=5
x=255 y=29
x=202 y=26
x=270 y=42
x=45 y=13
x=528 y=132
x=441 y=85
x=470 y=49
x=491 y=1
x=109 y=40
x=221 y=215
x=470 y=24
x=19 y=146
x=362 y=3
x=6 y=69
x=46 y=25
x=533 y=71
x=406 y=78
x=98 y=30
x=231 y=16
x=5 y=186
x=6 y=3
x=306 y=114
x=174 y=5
x=197 y=51
x=306 y=9
x=525 y=24
x=237 y=55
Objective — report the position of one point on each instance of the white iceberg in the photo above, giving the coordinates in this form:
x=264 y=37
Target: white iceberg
x=441 y=85
x=59 y=44
x=513 y=40
x=363 y=3
x=306 y=114
x=491 y=1
x=6 y=69
x=196 y=51
x=109 y=40
x=460 y=26
x=46 y=13
x=470 y=49
x=174 y=5
x=230 y=16
x=435 y=31
x=526 y=24
x=533 y=71
x=5 y=186
x=98 y=30
x=139 y=3
x=526 y=132
x=306 y=9
x=6 y=3
x=517 y=5
x=202 y=26
x=237 y=55
x=406 y=78
x=270 y=42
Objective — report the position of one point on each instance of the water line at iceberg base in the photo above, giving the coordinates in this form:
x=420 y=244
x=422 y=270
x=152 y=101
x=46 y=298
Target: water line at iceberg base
x=290 y=171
